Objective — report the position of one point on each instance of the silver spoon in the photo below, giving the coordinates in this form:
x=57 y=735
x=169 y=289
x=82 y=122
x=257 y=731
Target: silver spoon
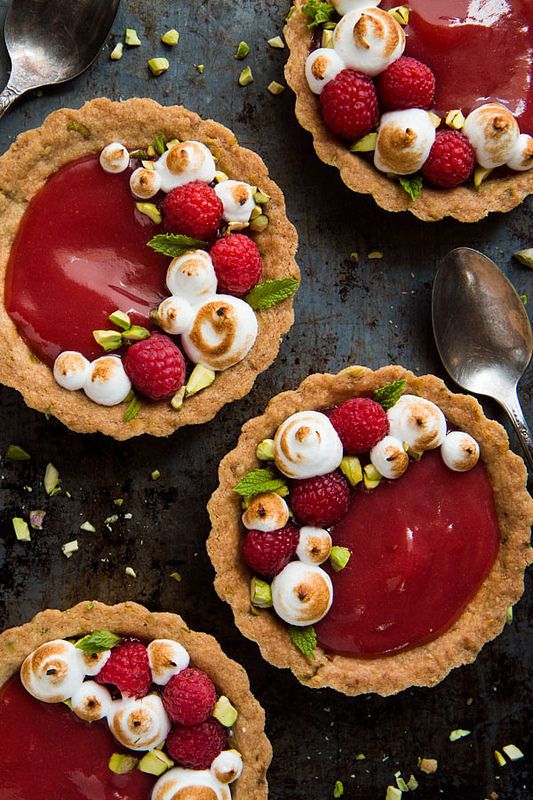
x=51 y=42
x=483 y=333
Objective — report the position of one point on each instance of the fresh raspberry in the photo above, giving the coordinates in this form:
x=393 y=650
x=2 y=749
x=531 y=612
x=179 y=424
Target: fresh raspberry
x=197 y=747
x=155 y=366
x=128 y=668
x=320 y=501
x=237 y=262
x=193 y=210
x=350 y=104
x=267 y=553
x=407 y=83
x=361 y=423
x=451 y=160
x=189 y=697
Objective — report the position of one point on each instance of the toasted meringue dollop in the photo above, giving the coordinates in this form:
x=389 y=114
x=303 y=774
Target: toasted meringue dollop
x=71 y=369
x=114 y=158
x=94 y=662
x=167 y=658
x=404 y=141
x=321 y=67
x=460 y=451
x=192 y=276
x=266 y=512
x=185 y=162
x=189 y=784
x=237 y=199
x=139 y=724
x=302 y=593
x=175 y=315
x=389 y=457
x=345 y=6
x=227 y=766
x=521 y=158
x=53 y=672
x=222 y=334
x=417 y=422
x=307 y=445
x=145 y=183
x=369 y=40
x=314 y=546
x=91 y=702
x=107 y=383
x=493 y=132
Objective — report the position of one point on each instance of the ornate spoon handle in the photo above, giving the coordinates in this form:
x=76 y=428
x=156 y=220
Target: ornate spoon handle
x=7 y=97
x=512 y=406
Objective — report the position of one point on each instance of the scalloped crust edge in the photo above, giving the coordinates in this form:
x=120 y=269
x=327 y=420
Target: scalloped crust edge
x=26 y=166
x=463 y=203
x=481 y=621
x=134 y=620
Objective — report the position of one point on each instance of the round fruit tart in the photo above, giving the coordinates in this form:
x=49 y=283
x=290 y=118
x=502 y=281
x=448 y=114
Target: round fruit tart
x=114 y=701
x=427 y=106
x=146 y=268
x=371 y=530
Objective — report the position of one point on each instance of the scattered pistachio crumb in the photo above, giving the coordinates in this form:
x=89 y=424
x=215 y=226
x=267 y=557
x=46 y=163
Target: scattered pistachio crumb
x=225 y=712
x=360 y=757
x=51 y=480
x=500 y=760
x=128 y=516
x=131 y=38
x=200 y=68
x=246 y=77
x=176 y=576
x=90 y=606
x=354 y=257
x=130 y=572
x=400 y=783
x=339 y=558
x=374 y=255
x=200 y=378
x=22 y=530
x=480 y=173
x=455 y=119
x=400 y=14
x=523 y=298
x=338 y=789
x=412 y=783
x=509 y=615
x=275 y=88
x=87 y=526
x=512 y=752
x=108 y=521
x=265 y=450
x=525 y=257
x=243 y=48
x=155 y=474
x=16 y=453
x=150 y=210
x=393 y=793
x=171 y=37
x=276 y=42
x=459 y=733
x=116 y=52
x=428 y=765
x=118 y=501
x=328 y=39
x=69 y=548
x=158 y=65
x=177 y=400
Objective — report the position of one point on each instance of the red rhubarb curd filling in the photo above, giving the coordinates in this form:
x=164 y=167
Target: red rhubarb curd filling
x=479 y=50
x=80 y=253
x=421 y=547
x=48 y=752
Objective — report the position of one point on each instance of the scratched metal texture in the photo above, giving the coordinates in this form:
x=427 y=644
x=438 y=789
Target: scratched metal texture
x=374 y=312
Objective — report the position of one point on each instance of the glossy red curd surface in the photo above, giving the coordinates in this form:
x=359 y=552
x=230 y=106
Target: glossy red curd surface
x=421 y=547
x=479 y=50
x=47 y=752
x=80 y=254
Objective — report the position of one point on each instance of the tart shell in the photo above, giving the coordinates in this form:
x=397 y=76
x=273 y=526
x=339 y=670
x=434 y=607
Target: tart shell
x=463 y=203
x=132 y=619
x=69 y=134
x=483 y=618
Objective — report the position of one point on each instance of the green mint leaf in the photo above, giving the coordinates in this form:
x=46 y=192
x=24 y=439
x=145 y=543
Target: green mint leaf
x=387 y=396
x=133 y=409
x=98 y=641
x=304 y=639
x=174 y=244
x=16 y=453
x=270 y=293
x=159 y=144
x=258 y=482
x=318 y=12
x=413 y=185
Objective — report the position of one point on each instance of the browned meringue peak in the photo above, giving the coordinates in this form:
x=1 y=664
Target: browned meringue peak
x=493 y=132
x=266 y=512
x=167 y=658
x=53 y=672
x=91 y=702
x=139 y=724
x=302 y=593
x=186 y=784
x=223 y=332
x=404 y=141
x=369 y=40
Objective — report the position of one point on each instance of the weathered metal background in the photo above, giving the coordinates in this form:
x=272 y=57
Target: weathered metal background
x=373 y=312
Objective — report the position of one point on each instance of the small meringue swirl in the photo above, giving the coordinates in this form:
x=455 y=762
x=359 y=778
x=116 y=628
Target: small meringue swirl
x=369 y=40
x=493 y=132
x=314 y=545
x=266 y=512
x=94 y=662
x=53 y=672
x=189 y=784
x=185 y=162
x=388 y=456
x=91 y=702
x=139 y=724
x=167 y=658
x=302 y=594
x=192 y=276
x=227 y=766
x=460 y=451
x=418 y=422
x=307 y=445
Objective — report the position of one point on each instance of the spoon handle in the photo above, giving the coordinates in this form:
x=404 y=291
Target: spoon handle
x=512 y=406
x=7 y=97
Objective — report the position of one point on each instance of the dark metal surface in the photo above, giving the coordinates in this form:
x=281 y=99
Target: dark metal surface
x=373 y=312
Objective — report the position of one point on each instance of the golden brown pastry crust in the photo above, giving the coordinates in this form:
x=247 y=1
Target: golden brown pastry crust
x=38 y=153
x=481 y=621
x=132 y=619
x=464 y=203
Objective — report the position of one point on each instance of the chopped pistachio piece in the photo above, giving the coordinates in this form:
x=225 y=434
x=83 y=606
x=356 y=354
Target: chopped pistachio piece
x=150 y=210
x=108 y=340
x=275 y=88
x=120 y=319
x=69 y=548
x=428 y=765
x=435 y=119
x=155 y=474
x=130 y=572
x=366 y=144
x=131 y=38
x=375 y=255
x=338 y=790
x=351 y=468
x=176 y=576
x=158 y=65
x=172 y=143
x=121 y=764
x=87 y=526
x=260 y=593
x=455 y=119
x=354 y=257
x=16 y=453
x=242 y=50
x=512 y=752
x=260 y=223
x=246 y=77
x=400 y=783
x=220 y=176
x=525 y=257
x=51 y=479
x=118 y=501
x=276 y=42
x=79 y=127
x=480 y=174
x=371 y=477
x=509 y=615
x=200 y=68
x=201 y=377
x=150 y=151
x=111 y=520
x=499 y=759
x=339 y=557
x=261 y=198
x=37 y=516
x=133 y=407
x=412 y=783
x=393 y=793
x=265 y=450
x=116 y=52
x=360 y=757
x=400 y=14
x=21 y=528
x=136 y=334
x=459 y=733
x=328 y=38
x=225 y=712
x=256 y=212
x=171 y=37
x=155 y=763
x=177 y=400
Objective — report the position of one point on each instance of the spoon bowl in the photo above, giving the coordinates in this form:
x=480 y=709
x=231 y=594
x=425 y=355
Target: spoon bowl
x=482 y=332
